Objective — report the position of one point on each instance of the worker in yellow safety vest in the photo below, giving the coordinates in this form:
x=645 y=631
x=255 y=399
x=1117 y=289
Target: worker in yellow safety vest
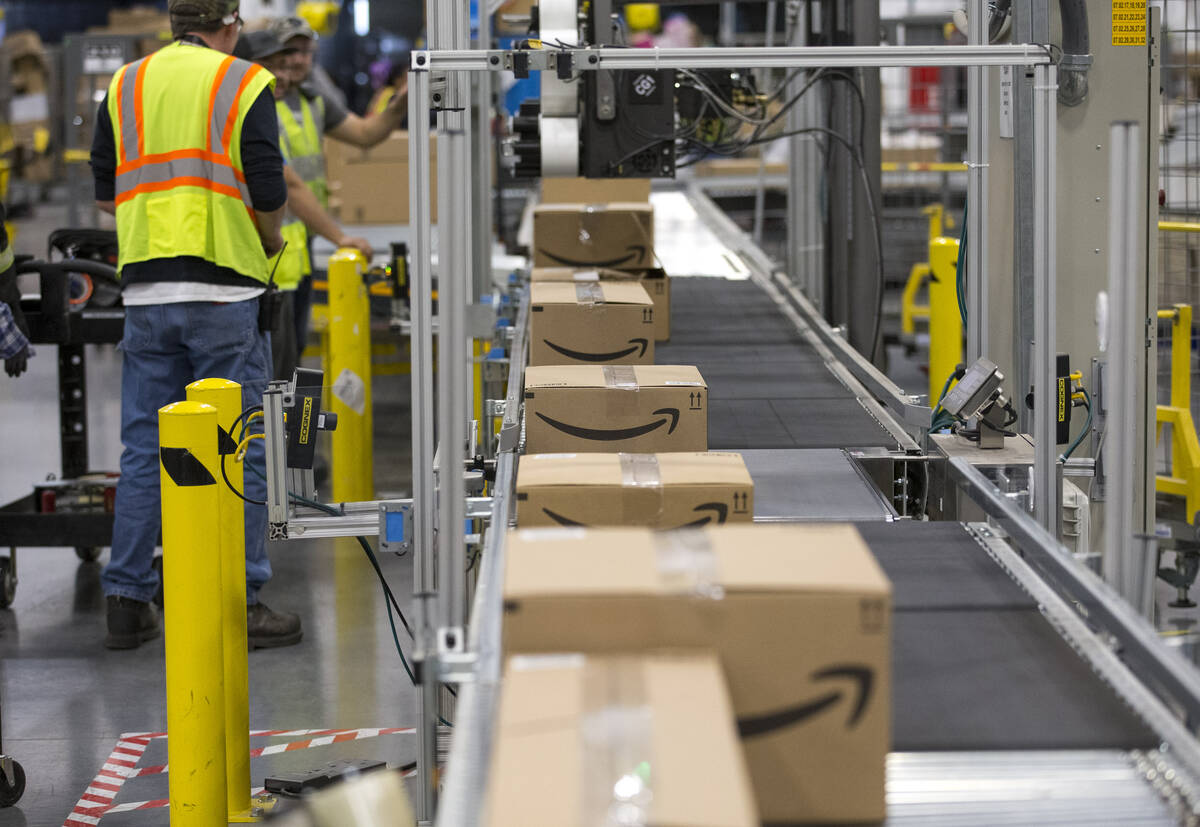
x=305 y=208
x=186 y=156
x=311 y=108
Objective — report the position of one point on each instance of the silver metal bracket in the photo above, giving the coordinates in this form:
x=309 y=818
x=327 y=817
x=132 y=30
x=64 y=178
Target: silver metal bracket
x=457 y=667
x=6 y=766
x=451 y=640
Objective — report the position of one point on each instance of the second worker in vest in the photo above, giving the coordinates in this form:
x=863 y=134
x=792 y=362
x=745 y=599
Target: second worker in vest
x=305 y=211
x=310 y=110
x=186 y=155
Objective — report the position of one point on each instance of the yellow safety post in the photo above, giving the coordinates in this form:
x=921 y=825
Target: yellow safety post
x=348 y=374
x=1184 y=479
x=945 y=321
x=226 y=397
x=910 y=311
x=191 y=515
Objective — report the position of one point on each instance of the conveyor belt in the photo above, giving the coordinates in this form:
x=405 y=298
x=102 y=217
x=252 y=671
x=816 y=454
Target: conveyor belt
x=768 y=388
x=977 y=667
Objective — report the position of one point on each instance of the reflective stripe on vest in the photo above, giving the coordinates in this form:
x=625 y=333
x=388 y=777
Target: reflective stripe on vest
x=302 y=144
x=180 y=191
x=212 y=169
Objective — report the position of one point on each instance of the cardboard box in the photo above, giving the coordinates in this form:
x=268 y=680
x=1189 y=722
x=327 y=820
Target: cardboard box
x=618 y=235
x=660 y=491
x=370 y=186
x=573 y=732
x=607 y=408
x=654 y=281
x=799 y=615
x=594 y=190
x=593 y=322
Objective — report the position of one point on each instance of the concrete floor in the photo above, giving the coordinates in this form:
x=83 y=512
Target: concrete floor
x=66 y=700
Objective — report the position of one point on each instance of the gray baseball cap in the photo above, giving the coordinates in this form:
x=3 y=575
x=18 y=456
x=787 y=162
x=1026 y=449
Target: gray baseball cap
x=258 y=45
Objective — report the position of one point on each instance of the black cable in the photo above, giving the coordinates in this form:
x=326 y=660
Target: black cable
x=241 y=496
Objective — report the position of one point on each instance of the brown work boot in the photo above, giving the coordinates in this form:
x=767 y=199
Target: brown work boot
x=130 y=623
x=266 y=629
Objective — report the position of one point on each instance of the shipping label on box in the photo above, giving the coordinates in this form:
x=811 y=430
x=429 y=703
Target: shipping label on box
x=618 y=235
x=608 y=408
x=633 y=739
x=661 y=491
x=799 y=616
x=654 y=281
x=593 y=322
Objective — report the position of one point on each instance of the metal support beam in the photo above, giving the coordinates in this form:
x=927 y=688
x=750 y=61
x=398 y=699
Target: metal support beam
x=454 y=294
x=750 y=57
x=424 y=490
x=1123 y=566
x=1031 y=24
x=481 y=169
x=1045 y=279
x=977 y=190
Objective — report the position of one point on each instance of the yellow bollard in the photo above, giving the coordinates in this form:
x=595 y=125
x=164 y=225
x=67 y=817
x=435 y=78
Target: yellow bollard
x=189 y=472
x=945 y=321
x=348 y=374
x=226 y=397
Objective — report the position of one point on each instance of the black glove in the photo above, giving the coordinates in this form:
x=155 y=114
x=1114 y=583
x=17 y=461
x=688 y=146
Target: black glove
x=16 y=365
x=10 y=294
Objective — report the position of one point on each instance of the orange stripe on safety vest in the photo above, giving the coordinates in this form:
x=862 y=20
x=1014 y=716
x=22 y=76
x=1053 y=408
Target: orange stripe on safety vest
x=120 y=125
x=162 y=186
x=139 y=79
x=231 y=118
x=179 y=155
x=216 y=89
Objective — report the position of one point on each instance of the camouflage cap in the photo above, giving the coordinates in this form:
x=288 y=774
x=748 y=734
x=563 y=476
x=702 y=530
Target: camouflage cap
x=285 y=28
x=202 y=13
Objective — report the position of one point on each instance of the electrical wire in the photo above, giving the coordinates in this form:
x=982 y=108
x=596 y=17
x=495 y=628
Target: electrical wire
x=1087 y=427
x=390 y=603
x=244 y=445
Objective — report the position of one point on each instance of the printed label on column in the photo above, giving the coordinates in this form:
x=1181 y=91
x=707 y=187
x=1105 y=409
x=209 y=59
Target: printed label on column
x=1129 y=22
x=351 y=391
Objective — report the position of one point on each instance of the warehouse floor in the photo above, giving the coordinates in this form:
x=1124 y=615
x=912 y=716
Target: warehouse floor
x=66 y=700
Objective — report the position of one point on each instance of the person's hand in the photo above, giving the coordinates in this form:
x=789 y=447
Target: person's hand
x=360 y=244
x=272 y=245
x=16 y=365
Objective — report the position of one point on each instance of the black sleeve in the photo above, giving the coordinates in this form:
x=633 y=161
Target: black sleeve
x=262 y=162
x=104 y=155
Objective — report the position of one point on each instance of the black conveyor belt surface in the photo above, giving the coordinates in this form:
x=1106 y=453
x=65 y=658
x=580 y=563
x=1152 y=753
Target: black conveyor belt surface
x=767 y=387
x=976 y=666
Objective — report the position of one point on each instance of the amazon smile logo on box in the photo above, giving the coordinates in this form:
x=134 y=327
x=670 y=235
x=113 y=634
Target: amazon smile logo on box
x=642 y=408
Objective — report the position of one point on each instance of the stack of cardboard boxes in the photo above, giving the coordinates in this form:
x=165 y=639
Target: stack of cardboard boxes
x=669 y=661
x=29 y=106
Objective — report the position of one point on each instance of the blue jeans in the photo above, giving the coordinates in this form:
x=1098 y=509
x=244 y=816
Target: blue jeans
x=166 y=347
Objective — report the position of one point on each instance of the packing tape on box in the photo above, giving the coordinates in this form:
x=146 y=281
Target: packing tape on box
x=620 y=377
x=617 y=730
x=686 y=562
x=589 y=292
x=640 y=471
x=586 y=275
